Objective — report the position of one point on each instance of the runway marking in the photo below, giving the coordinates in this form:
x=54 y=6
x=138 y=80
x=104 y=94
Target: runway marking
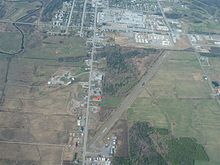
x=104 y=130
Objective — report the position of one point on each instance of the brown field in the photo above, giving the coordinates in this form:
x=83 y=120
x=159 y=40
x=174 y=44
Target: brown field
x=34 y=119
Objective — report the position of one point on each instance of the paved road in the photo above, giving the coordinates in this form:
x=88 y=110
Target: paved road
x=167 y=23
x=89 y=91
x=127 y=102
x=70 y=17
x=83 y=16
x=128 y=29
x=40 y=24
x=204 y=70
x=37 y=144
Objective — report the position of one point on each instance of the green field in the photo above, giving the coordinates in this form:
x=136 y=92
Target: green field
x=9 y=41
x=112 y=102
x=54 y=47
x=208 y=26
x=197 y=16
x=51 y=47
x=16 y=10
x=179 y=99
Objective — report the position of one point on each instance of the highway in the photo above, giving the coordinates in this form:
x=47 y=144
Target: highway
x=70 y=16
x=167 y=23
x=129 y=29
x=127 y=102
x=89 y=92
x=83 y=16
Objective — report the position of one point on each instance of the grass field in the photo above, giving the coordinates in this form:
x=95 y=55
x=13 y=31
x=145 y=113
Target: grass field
x=179 y=99
x=32 y=111
x=9 y=41
x=54 y=47
x=16 y=10
x=208 y=26
x=51 y=47
x=198 y=17
x=31 y=108
x=112 y=102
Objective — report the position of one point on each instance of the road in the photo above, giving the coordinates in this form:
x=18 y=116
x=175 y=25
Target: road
x=128 y=29
x=36 y=144
x=127 y=102
x=70 y=16
x=83 y=16
x=205 y=72
x=167 y=23
x=32 y=24
x=89 y=91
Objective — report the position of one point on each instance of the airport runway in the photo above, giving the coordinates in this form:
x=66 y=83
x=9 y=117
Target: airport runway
x=127 y=102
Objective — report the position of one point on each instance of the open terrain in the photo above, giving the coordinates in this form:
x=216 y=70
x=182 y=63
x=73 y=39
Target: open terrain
x=29 y=112
x=200 y=16
x=54 y=47
x=15 y=10
x=65 y=98
x=179 y=98
x=9 y=41
x=35 y=119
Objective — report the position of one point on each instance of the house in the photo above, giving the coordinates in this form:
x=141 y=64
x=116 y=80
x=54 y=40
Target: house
x=98 y=98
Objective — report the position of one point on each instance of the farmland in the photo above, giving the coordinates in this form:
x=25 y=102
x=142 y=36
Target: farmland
x=30 y=108
x=199 y=16
x=9 y=41
x=17 y=9
x=53 y=47
x=179 y=99
x=94 y=82
x=29 y=113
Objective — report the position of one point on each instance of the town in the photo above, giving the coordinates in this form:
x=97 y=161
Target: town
x=137 y=24
x=140 y=35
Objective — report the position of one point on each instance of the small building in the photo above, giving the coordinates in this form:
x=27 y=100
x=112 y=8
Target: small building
x=78 y=122
x=98 y=98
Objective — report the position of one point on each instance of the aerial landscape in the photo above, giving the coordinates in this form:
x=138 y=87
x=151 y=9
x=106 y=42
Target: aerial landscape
x=109 y=82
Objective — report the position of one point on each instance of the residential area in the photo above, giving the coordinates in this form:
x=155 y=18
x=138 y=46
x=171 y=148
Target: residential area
x=108 y=82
